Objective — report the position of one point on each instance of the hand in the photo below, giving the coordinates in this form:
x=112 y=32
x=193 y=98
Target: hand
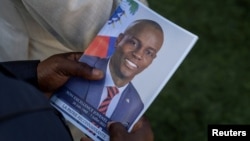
x=141 y=132
x=53 y=72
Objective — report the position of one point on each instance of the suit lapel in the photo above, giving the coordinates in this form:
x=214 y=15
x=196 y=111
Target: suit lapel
x=96 y=87
x=123 y=104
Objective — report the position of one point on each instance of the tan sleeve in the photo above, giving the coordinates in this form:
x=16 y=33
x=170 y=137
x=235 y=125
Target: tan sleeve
x=73 y=23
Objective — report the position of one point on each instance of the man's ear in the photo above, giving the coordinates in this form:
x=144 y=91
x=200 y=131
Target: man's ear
x=119 y=38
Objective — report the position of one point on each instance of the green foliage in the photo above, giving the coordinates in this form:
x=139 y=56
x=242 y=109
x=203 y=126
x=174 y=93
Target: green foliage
x=133 y=6
x=212 y=85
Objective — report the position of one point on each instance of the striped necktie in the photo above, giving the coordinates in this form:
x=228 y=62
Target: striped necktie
x=112 y=91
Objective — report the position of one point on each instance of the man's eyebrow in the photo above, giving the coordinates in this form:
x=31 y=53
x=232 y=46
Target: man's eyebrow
x=151 y=48
x=133 y=37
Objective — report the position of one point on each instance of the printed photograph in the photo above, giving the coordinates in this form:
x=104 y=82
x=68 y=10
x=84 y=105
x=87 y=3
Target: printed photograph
x=138 y=51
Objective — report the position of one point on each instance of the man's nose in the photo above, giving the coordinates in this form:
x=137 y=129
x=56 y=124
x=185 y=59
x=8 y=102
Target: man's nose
x=138 y=54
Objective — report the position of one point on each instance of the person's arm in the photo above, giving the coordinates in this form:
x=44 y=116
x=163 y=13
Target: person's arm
x=22 y=104
x=51 y=73
x=22 y=70
x=73 y=23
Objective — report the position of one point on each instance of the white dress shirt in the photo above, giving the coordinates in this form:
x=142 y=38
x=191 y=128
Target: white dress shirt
x=109 y=82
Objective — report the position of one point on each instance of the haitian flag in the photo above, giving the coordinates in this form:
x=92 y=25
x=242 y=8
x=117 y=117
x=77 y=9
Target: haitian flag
x=101 y=46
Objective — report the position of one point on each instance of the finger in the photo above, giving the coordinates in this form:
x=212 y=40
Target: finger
x=143 y=121
x=85 y=139
x=75 y=68
x=117 y=131
x=74 y=56
x=143 y=130
x=83 y=70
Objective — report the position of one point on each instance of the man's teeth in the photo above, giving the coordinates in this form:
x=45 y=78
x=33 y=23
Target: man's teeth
x=131 y=64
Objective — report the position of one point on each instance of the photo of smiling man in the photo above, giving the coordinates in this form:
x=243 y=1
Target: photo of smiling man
x=115 y=96
x=138 y=51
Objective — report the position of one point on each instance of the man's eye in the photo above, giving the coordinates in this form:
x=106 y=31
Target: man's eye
x=149 y=53
x=134 y=43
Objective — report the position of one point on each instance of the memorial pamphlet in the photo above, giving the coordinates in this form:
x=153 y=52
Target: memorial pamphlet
x=138 y=51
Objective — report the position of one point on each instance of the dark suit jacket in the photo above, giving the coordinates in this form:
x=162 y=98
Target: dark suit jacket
x=129 y=105
x=25 y=113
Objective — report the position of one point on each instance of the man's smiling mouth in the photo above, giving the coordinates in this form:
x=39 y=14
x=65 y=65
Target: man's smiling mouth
x=131 y=65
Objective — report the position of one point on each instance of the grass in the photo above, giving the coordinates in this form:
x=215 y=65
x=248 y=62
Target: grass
x=212 y=85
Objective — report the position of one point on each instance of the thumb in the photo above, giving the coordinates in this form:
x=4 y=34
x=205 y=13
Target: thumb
x=117 y=131
x=85 y=139
x=85 y=71
x=72 y=67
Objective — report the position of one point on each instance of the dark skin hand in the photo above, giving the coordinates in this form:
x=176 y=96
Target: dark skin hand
x=53 y=72
x=140 y=132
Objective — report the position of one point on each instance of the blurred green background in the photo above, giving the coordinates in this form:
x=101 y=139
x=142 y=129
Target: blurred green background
x=212 y=85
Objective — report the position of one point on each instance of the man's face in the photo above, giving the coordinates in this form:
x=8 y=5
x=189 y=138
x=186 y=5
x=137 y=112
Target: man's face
x=135 y=51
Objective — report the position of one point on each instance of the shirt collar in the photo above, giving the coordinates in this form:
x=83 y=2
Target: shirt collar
x=109 y=81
